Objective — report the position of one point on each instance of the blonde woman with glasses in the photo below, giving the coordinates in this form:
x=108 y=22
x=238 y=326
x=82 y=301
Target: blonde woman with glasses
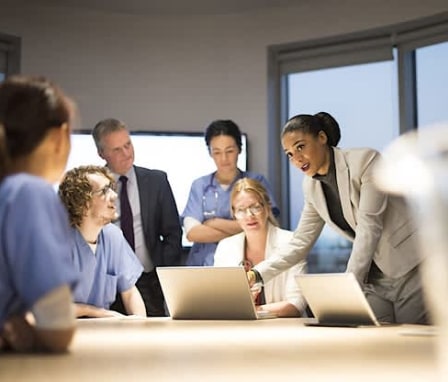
x=260 y=236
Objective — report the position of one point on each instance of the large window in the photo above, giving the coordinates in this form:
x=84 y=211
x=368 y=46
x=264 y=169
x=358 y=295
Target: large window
x=363 y=99
x=377 y=84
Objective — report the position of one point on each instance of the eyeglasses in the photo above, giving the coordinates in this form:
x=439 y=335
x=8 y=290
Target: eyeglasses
x=255 y=209
x=105 y=190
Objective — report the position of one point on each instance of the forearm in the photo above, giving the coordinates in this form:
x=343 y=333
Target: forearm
x=205 y=234
x=85 y=310
x=227 y=226
x=133 y=302
x=282 y=309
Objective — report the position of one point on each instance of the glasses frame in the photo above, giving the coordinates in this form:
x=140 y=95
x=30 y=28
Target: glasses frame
x=105 y=190
x=253 y=210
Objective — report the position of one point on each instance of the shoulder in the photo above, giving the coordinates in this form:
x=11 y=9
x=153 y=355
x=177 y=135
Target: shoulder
x=361 y=156
x=111 y=229
x=112 y=233
x=16 y=183
x=28 y=190
x=146 y=172
x=113 y=237
x=203 y=180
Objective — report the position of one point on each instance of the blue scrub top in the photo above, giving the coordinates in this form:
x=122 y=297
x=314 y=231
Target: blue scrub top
x=208 y=200
x=34 y=244
x=113 y=268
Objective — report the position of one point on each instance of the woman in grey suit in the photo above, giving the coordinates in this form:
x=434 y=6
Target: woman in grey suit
x=339 y=190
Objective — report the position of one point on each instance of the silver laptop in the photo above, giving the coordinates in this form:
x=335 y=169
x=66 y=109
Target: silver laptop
x=208 y=293
x=336 y=299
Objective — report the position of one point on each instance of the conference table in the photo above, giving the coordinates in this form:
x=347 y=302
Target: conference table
x=281 y=349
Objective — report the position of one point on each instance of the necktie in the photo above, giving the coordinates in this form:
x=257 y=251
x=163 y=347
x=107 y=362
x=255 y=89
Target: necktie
x=126 y=219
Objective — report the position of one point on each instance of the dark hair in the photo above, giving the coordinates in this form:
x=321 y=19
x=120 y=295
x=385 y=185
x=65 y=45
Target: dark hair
x=75 y=191
x=313 y=124
x=29 y=107
x=223 y=127
x=105 y=127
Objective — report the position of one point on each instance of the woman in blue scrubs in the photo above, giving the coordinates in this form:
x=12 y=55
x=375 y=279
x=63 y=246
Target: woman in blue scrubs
x=36 y=274
x=207 y=218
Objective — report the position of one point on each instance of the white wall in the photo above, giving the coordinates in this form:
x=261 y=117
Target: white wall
x=179 y=73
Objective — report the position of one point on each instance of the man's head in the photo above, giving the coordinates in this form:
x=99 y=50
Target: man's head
x=88 y=193
x=114 y=145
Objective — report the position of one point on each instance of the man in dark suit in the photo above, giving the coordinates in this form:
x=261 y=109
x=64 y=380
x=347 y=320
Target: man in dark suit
x=148 y=214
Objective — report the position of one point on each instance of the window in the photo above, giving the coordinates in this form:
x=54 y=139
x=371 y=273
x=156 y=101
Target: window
x=377 y=84
x=9 y=55
x=432 y=84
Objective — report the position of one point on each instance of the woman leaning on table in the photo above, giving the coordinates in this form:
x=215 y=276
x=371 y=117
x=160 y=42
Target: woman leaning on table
x=36 y=275
x=339 y=190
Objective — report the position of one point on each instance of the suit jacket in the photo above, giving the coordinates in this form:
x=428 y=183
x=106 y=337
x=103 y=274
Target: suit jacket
x=160 y=217
x=384 y=229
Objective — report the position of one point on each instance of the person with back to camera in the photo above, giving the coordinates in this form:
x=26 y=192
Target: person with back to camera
x=261 y=236
x=101 y=254
x=339 y=190
x=207 y=218
x=154 y=230
x=36 y=273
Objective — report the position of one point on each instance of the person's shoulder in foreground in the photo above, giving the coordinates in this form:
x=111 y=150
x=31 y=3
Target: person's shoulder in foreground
x=36 y=275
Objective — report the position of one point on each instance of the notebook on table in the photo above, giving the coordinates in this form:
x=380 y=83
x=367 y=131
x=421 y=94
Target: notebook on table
x=336 y=299
x=208 y=293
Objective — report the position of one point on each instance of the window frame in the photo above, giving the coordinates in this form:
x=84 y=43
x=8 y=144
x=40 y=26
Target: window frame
x=10 y=51
x=354 y=48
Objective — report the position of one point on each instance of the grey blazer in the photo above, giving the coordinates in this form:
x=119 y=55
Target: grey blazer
x=385 y=231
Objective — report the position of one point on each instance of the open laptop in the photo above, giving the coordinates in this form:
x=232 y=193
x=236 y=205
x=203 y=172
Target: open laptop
x=336 y=299
x=208 y=293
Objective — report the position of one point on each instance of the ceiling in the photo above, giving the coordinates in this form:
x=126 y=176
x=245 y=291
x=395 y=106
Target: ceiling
x=172 y=7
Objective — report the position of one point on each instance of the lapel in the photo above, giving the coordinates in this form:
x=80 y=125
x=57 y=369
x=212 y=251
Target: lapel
x=143 y=197
x=318 y=198
x=343 y=181
x=271 y=240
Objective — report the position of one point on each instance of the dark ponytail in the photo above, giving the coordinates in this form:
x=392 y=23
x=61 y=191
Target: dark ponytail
x=330 y=127
x=313 y=124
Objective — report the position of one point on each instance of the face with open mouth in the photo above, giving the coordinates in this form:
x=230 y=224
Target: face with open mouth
x=307 y=152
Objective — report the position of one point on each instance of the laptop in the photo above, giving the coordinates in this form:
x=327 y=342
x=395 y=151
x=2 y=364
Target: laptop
x=336 y=299
x=208 y=293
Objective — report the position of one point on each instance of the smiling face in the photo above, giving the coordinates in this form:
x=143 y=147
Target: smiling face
x=117 y=150
x=307 y=152
x=249 y=211
x=102 y=208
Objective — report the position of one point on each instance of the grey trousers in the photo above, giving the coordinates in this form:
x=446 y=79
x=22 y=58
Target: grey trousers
x=396 y=300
